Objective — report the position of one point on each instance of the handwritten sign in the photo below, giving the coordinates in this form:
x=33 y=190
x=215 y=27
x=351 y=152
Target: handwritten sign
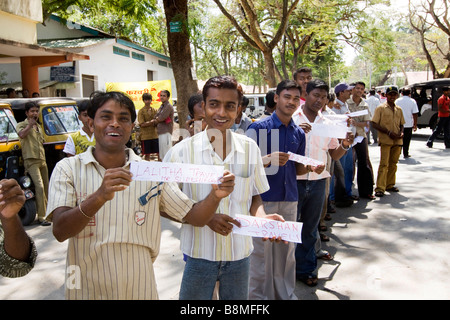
x=176 y=172
x=266 y=228
x=329 y=130
x=304 y=160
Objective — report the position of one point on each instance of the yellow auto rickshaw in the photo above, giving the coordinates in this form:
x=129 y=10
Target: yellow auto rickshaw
x=58 y=118
x=11 y=164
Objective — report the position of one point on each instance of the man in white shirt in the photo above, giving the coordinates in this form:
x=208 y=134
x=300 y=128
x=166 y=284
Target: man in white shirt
x=373 y=103
x=410 y=113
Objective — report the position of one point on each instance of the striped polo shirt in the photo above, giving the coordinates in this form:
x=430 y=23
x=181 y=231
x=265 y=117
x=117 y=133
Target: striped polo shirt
x=112 y=257
x=245 y=162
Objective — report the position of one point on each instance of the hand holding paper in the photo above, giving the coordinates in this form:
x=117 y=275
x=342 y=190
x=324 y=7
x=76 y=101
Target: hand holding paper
x=266 y=228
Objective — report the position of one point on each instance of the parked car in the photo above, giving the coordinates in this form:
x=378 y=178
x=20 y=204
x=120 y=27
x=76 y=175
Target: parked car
x=256 y=105
x=424 y=93
x=11 y=162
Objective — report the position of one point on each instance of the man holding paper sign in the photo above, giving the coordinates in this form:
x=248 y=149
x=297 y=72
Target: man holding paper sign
x=214 y=253
x=111 y=220
x=272 y=268
x=311 y=186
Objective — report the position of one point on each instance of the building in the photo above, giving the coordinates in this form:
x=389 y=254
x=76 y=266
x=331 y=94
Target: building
x=111 y=59
x=19 y=45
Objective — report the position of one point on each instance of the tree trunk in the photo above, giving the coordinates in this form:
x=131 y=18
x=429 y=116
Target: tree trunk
x=269 y=67
x=180 y=55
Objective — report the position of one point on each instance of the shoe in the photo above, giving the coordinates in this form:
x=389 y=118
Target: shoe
x=369 y=196
x=430 y=144
x=44 y=223
x=324 y=237
x=356 y=198
x=327 y=217
x=379 y=194
x=393 y=189
x=309 y=280
x=407 y=156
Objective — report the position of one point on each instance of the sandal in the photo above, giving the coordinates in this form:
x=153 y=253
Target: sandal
x=326 y=257
x=324 y=237
x=379 y=194
x=393 y=189
x=309 y=280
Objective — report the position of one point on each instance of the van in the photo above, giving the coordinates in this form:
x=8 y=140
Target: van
x=426 y=95
x=256 y=105
x=58 y=118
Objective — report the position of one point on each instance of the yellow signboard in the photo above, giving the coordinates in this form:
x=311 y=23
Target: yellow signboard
x=135 y=90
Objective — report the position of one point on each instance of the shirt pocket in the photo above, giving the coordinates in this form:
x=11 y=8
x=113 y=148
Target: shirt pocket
x=240 y=198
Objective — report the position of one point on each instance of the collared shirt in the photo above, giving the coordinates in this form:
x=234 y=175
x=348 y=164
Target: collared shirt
x=272 y=136
x=147 y=113
x=165 y=112
x=243 y=124
x=113 y=255
x=245 y=162
x=78 y=142
x=409 y=107
x=33 y=143
x=13 y=268
x=353 y=107
x=316 y=146
x=343 y=108
x=391 y=119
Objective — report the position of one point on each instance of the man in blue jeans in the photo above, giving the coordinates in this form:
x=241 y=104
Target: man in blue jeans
x=311 y=186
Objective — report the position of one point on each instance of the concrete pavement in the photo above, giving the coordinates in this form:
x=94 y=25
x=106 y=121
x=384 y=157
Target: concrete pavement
x=395 y=247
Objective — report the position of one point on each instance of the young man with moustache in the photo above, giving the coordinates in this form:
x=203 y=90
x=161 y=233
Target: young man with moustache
x=302 y=76
x=213 y=252
x=388 y=120
x=112 y=221
x=272 y=268
x=311 y=186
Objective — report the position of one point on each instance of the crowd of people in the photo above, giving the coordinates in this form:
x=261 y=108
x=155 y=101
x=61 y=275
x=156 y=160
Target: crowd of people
x=112 y=222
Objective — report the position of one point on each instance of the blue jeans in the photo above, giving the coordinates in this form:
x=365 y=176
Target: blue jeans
x=347 y=165
x=311 y=196
x=200 y=276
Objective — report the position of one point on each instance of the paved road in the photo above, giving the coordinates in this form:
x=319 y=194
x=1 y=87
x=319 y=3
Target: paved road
x=395 y=247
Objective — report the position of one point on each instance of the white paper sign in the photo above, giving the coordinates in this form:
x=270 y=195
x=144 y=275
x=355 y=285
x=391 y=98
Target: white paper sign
x=358 y=113
x=265 y=228
x=304 y=160
x=357 y=139
x=176 y=172
x=329 y=130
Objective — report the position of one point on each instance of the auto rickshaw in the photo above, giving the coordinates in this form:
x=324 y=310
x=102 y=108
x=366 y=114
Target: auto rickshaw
x=58 y=118
x=11 y=163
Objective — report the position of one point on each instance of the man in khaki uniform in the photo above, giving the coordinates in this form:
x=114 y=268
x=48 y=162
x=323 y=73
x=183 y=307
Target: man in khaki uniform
x=33 y=153
x=388 y=120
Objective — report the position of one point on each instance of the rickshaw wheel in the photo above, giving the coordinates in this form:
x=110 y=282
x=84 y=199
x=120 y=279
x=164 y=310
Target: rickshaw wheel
x=28 y=212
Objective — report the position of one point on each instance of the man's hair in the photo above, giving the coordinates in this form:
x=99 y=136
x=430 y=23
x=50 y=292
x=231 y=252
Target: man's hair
x=270 y=101
x=317 y=84
x=301 y=70
x=245 y=101
x=193 y=100
x=222 y=82
x=166 y=92
x=9 y=90
x=147 y=96
x=372 y=92
x=445 y=88
x=359 y=82
x=287 y=85
x=29 y=105
x=99 y=98
x=83 y=105
x=406 y=91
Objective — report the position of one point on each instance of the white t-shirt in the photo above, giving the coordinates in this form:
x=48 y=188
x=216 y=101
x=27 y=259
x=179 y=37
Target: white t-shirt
x=409 y=107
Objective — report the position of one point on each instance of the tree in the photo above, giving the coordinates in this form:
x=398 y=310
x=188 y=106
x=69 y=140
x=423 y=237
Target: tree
x=431 y=21
x=262 y=25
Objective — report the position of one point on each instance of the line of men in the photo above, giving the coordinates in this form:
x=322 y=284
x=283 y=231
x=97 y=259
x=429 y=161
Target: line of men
x=112 y=222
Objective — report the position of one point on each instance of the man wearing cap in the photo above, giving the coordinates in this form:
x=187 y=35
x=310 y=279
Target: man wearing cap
x=343 y=92
x=444 y=119
x=388 y=120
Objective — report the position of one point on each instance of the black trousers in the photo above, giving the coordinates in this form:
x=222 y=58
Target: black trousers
x=443 y=124
x=407 y=134
x=364 y=176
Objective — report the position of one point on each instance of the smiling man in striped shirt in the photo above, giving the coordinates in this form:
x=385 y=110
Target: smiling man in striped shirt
x=113 y=222
x=213 y=252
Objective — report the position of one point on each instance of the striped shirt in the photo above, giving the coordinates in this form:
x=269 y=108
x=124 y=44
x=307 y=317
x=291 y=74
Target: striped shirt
x=316 y=146
x=112 y=257
x=245 y=162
